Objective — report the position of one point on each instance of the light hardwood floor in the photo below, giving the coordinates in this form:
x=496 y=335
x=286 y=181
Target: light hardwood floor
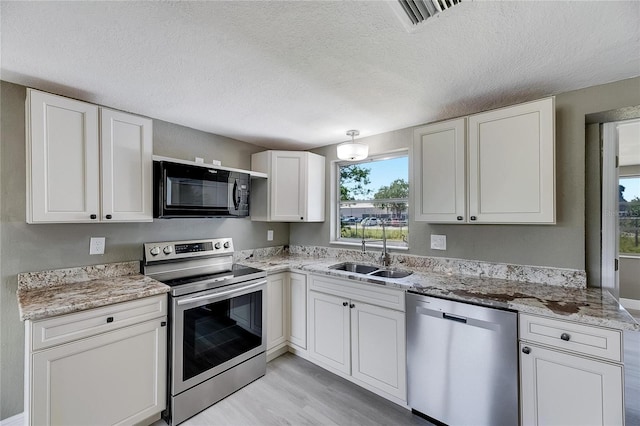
x=297 y=392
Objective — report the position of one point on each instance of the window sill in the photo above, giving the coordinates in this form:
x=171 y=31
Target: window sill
x=359 y=245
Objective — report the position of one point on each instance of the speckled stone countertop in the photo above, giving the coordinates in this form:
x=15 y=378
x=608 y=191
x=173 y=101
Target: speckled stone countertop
x=586 y=305
x=62 y=291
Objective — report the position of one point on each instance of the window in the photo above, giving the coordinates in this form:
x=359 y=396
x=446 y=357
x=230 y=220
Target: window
x=372 y=192
x=629 y=214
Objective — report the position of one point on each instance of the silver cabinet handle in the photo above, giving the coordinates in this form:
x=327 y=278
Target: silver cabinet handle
x=221 y=293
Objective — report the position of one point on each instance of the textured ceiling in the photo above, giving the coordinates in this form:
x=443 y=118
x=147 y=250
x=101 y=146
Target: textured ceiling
x=299 y=74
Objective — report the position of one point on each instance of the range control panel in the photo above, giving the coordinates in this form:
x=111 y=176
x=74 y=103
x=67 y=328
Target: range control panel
x=185 y=249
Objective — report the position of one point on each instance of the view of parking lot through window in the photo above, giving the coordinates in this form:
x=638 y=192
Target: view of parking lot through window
x=373 y=193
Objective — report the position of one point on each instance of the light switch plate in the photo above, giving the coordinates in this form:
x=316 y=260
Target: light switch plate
x=438 y=242
x=270 y=235
x=96 y=245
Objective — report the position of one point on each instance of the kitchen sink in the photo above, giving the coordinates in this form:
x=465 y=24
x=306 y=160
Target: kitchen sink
x=354 y=267
x=374 y=271
x=391 y=273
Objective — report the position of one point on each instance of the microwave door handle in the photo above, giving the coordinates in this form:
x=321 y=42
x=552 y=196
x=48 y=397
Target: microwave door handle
x=219 y=294
x=236 y=198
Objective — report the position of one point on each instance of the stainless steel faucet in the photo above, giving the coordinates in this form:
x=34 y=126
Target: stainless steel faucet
x=384 y=256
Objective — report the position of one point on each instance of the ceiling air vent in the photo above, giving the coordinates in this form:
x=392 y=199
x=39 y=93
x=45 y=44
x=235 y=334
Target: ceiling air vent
x=419 y=10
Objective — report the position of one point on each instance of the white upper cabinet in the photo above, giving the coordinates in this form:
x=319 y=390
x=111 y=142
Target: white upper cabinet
x=63 y=174
x=127 y=174
x=294 y=189
x=511 y=164
x=439 y=173
x=85 y=163
x=493 y=167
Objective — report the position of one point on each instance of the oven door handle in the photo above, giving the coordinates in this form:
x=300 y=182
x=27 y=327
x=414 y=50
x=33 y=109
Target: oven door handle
x=222 y=293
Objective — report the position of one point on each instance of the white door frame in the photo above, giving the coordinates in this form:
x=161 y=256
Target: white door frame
x=609 y=214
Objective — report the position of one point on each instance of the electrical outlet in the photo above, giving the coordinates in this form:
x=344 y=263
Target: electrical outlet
x=438 y=242
x=96 y=245
x=270 y=235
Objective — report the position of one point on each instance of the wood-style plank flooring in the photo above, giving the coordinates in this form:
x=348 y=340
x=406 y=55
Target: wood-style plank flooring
x=297 y=392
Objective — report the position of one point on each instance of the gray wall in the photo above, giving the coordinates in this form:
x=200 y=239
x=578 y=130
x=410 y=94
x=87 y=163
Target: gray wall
x=561 y=245
x=40 y=247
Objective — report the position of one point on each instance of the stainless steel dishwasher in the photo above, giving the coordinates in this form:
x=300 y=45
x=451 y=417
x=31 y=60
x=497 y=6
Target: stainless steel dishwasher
x=462 y=362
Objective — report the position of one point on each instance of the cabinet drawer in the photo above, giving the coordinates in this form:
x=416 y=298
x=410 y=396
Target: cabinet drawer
x=585 y=339
x=369 y=293
x=67 y=328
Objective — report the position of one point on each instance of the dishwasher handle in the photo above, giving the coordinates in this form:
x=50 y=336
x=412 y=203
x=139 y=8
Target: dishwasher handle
x=454 y=318
x=470 y=321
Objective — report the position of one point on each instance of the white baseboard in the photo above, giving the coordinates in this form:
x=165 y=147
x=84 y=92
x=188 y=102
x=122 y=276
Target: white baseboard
x=17 y=420
x=275 y=352
x=630 y=303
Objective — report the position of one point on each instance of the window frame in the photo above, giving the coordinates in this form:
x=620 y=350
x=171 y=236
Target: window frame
x=335 y=237
x=622 y=253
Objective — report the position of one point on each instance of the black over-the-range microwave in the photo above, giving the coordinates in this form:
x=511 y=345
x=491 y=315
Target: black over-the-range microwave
x=183 y=190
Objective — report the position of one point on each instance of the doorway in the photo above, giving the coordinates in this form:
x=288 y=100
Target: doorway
x=621 y=211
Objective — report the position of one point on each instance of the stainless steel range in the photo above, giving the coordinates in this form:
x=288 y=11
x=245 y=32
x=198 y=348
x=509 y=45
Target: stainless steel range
x=218 y=322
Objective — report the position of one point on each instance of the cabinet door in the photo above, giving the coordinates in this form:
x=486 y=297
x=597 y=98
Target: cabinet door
x=276 y=316
x=287 y=184
x=439 y=171
x=298 y=309
x=126 y=146
x=378 y=348
x=511 y=164
x=115 y=378
x=558 y=388
x=63 y=168
x=329 y=331
x=315 y=188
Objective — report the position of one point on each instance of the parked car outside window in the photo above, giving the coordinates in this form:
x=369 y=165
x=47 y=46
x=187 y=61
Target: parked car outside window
x=371 y=221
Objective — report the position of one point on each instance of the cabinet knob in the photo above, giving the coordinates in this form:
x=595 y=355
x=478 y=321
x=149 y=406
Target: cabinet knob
x=565 y=337
x=301 y=218
x=109 y=319
x=108 y=216
x=345 y=303
x=460 y=218
x=473 y=218
x=93 y=216
x=352 y=306
x=526 y=350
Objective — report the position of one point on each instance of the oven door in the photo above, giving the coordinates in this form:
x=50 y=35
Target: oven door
x=215 y=330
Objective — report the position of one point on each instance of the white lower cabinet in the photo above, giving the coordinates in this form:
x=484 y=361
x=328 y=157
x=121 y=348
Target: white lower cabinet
x=286 y=311
x=361 y=340
x=115 y=377
x=562 y=383
x=298 y=310
x=276 y=310
x=330 y=331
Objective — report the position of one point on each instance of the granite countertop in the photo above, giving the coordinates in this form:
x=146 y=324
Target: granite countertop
x=586 y=305
x=50 y=293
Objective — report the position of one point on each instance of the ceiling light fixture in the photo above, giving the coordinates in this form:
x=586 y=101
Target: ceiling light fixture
x=352 y=151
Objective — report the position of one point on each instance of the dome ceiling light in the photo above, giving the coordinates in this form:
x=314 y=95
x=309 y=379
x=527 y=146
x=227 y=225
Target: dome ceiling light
x=352 y=151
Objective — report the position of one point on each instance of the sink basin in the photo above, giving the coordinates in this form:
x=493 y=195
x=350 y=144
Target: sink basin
x=391 y=273
x=373 y=271
x=354 y=267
